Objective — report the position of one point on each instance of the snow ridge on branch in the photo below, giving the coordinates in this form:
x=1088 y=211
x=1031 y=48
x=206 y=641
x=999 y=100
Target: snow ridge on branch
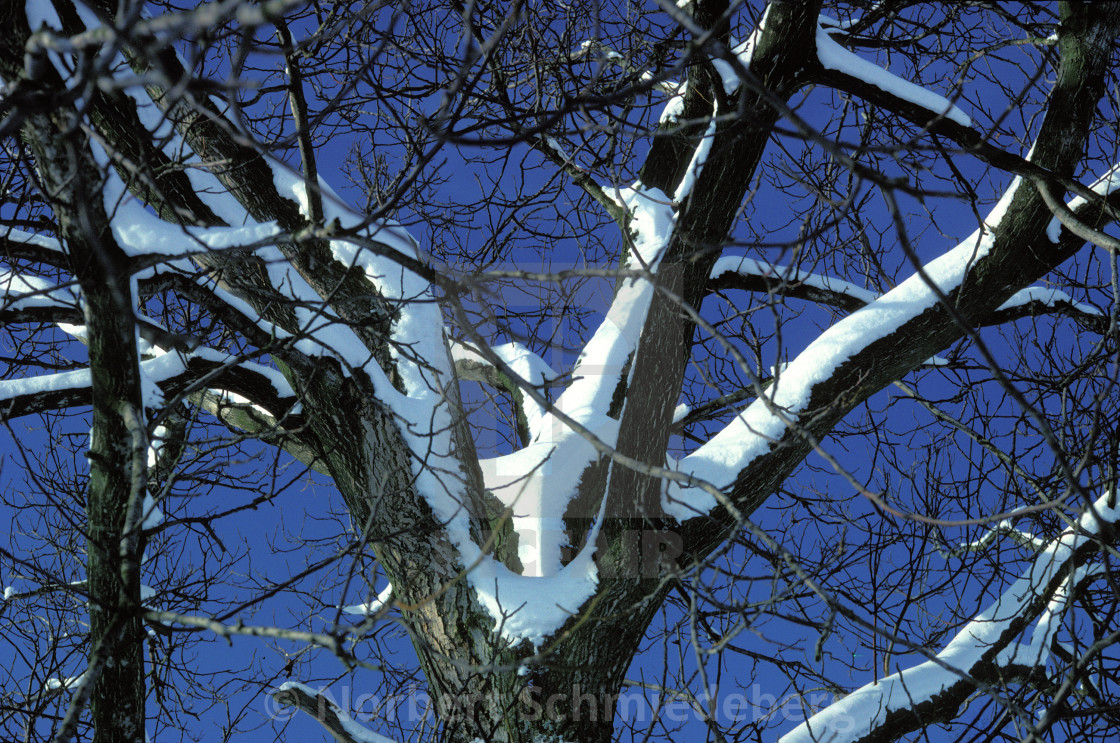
x=832 y=56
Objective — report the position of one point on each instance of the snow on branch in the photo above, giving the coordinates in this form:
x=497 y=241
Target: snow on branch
x=374 y=606
x=1035 y=300
x=329 y=278
x=1103 y=186
x=20 y=244
x=1004 y=527
x=752 y=274
x=761 y=425
x=23 y=291
x=321 y=707
x=984 y=647
x=139 y=233
x=832 y=56
x=175 y=369
x=532 y=605
x=814 y=286
x=529 y=367
x=699 y=158
x=599 y=367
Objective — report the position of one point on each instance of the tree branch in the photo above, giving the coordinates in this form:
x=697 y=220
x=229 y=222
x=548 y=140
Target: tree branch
x=326 y=712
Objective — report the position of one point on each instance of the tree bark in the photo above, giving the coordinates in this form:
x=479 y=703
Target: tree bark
x=114 y=680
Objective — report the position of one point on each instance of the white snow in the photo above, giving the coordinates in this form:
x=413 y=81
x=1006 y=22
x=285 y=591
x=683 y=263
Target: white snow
x=42 y=241
x=424 y=365
x=153 y=517
x=539 y=481
x=599 y=366
x=1103 y=186
x=155 y=445
x=139 y=232
x=532 y=608
x=353 y=729
x=524 y=607
x=1004 y=527
x=8 y=592
x=835 y=57
x=158 y=369
x=742 y=52
x=1047 y=296
x=699 y=159
x=523 y=362
x=372 y=607
x=674 y=107
x=57 y=684
x=10 y=388
x=788 y=274
x=23 y=291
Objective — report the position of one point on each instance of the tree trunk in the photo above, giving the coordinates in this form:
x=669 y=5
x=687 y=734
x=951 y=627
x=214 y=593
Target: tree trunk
x=114 y=679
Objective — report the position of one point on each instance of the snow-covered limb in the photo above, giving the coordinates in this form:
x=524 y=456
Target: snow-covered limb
x=1040 y=300
x=699 y=158
x=50 y=688
x=1023 y=538
x=376 y=606
x=1047 y=297
x=753 y=274
x=751 y=434
x=739 y=57
x=600 y=365
x=521 y=480
x=321 y=707
x=983 y=651
x=1103 y=186
x=755 y=431
x=24 y=291
x=140 y=233
x=174 y=370
x=532 y=605
x=832 y=56
x=768 y=276
x=11 y=239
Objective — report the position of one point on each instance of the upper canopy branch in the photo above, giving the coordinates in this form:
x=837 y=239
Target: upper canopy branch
x=941 y=118
x=750 y=275
x=944 y=301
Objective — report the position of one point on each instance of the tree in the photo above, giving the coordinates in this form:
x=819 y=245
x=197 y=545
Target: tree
x=927 y=482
